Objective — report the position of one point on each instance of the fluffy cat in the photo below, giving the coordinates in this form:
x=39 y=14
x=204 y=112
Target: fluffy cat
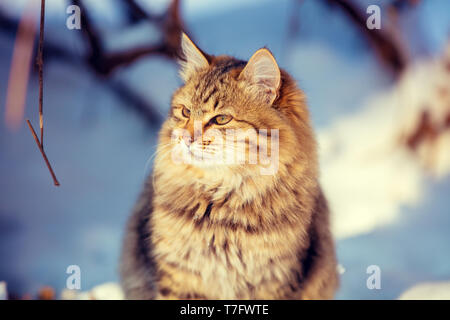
x=224 y=230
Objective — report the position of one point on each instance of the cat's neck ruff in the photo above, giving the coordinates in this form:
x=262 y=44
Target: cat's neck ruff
x=216 y=182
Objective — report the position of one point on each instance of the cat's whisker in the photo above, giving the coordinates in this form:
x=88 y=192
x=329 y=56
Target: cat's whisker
x=159 y=147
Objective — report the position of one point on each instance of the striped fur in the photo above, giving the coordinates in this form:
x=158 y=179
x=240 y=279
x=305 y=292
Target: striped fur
x=229 y=232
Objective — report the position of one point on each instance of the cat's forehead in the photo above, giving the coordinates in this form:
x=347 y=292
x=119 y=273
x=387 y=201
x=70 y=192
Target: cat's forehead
x=204 y=89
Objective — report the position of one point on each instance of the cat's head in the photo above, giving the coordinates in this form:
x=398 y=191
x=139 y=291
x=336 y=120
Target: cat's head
x=233 y=115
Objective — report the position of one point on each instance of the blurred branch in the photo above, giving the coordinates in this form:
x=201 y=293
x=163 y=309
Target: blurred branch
x=137 y=13
x=426 y=130
x=396 y=7
x=9 y=27
x=386 y=48
x=105 y=63
x=294 y=21
x=432 y=124
x=19 y=73
x=400 y=5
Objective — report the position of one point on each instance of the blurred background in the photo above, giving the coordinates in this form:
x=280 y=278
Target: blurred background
x=379 y=99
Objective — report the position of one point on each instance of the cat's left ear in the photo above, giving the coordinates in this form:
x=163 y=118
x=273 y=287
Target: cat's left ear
x=263 y=74
x=193 y=58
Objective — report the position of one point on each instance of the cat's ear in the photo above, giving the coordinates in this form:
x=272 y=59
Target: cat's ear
x=192 y=59
x=263 y=74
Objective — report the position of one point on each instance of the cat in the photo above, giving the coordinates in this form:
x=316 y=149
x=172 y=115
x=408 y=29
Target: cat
x=226 y=230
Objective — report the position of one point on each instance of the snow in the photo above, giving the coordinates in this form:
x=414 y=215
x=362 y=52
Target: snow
x=3 y=291
x=369 y=174
x=428 y=291
x=105 y=291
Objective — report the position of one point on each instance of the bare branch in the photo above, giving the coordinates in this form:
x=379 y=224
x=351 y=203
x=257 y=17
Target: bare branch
x=105 y=63
x=138 y=13
x=40 y=64
x=132 y=100
x=55 y=181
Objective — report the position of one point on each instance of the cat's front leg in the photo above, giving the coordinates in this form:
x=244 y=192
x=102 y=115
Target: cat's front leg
x=178 y=283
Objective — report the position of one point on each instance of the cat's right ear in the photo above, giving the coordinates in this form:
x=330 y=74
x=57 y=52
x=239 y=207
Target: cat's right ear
x=263 y=75
x=192 y=60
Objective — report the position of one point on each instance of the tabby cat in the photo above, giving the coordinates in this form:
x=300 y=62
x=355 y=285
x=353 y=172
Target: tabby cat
x=230 y=230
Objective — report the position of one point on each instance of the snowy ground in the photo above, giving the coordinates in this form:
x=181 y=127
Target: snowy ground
x=99 y=152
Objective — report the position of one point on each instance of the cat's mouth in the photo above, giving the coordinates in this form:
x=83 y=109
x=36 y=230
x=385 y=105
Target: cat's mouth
x=203 y=156
x=216 y=155
x=213 y=154
x=194 y=155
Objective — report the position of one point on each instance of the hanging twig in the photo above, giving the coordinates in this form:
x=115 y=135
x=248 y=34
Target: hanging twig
x=40 y=64
x=104 y=63
x=55 y=180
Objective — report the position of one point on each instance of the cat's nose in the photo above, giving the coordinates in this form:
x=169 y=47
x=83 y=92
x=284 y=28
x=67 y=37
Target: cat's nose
x=187 y=140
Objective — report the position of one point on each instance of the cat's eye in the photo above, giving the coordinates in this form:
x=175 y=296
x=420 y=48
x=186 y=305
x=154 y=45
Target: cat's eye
x=222 y=119
x=186 y=112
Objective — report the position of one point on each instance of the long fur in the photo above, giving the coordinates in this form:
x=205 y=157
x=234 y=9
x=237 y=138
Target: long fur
x=229 y=232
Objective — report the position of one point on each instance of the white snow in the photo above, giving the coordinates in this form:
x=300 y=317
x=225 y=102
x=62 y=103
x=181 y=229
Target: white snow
x=427 y=291
x=368 y=173
x=3 y=291
x=105 y=291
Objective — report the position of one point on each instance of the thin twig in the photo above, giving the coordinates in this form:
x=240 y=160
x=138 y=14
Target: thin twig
x=40 y=64
x=54 y=50
x=104 y=63
x=55 y=181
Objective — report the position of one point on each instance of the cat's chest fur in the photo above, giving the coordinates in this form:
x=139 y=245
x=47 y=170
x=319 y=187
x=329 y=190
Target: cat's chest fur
x=221 y=252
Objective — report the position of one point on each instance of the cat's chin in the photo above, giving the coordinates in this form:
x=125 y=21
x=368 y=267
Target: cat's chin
x=207 y=164
x=214 y=171
x=202 y=160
